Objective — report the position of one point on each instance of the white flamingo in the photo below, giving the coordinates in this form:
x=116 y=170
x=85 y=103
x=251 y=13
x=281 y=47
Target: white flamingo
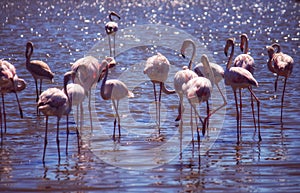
x=114 y=90
x=38 y=69
x=76 y=95
x=198 y=90
x=157 y=69
x=54 y=102
x=247 y=62
x=111 y=29
x=237 y=78
x=9 y=82
x=88 y=71
x=282 y=65
x=183 y=76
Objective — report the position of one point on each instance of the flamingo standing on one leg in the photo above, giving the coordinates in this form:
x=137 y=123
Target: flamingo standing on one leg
x=114 y=90
x=282 y=65
x=54 y=102
x=247 y=62
x=157 y=69
x=111 y=29
x=238 y=77
x=76 y=95
x=37 y=68
x=9 y=82
x=183 y=76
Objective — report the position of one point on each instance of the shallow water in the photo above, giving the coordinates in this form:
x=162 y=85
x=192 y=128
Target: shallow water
x=142 y=160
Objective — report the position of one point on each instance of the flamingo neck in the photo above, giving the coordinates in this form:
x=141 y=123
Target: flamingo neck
x=246 y=46
x=103 y=94
x=271 y=54
x=29 y=51
x=193 y=55
x=229 y=62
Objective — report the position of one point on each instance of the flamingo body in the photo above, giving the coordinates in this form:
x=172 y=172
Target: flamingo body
x=157 y=68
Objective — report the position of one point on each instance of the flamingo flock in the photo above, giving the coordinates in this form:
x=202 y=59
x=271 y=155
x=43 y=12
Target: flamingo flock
x=196 y=84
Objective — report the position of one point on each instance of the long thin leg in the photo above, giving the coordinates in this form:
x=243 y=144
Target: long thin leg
x=37 y=90
x=41 y=82
x=81 y=116
x=155 y=99
x=207 y=114
x=241 y=106
x=19 y=105
x=118 y=116
x=110 y=51
x=57 y=139
x=180 y=108
x=253 y=111
x=1 y=124
x=224 y=100
x=68 y=132
x=4 y=113
x=115 y=107
x=258 y=104
x=159 y=104
x=77 y=130
x=45 y=140
x=282 y=99
x=237 y=117
x=90 y=109
x=191 y=123
x=276 y=80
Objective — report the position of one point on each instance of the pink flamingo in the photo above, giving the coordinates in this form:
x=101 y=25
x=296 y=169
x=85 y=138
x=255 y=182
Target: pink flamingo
x=76 y=95
x=111 y=29
x=157 y=69
x=114 y=90
x=198 y=90
x=38 y=69
x=9 y=82
x=247 y=62
x=282 y=65
x=183 y=76
x=54 y=102
x=238 y=77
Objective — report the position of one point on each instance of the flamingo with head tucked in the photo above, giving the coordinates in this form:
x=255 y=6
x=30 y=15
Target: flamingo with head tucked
x=54 y=102
x=282 y=65
x=111 y=29
x=238 y=77
x=9 y=82
x=157 y=69
x=38 y=69
x=114 y=90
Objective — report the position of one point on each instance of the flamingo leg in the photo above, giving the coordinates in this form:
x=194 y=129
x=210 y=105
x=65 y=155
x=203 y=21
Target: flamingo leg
x=180 y=108
x=36 y=89
x=90 y=109
x=81 y=116
x=253 y=112
x=159 y=104
x=57 y=139
x=282 y=99
x=4 y=113
x=118 y=116
x=155 y=99
x=237 y=117
x=224 y=102
x=241 y=106
x=45 y=140
x=191 y=123
x=41 y=82
x=77 y=130
x=258 y=105
x=68 y=132
x=110 y=49
x=276 y=80
x=1 y=124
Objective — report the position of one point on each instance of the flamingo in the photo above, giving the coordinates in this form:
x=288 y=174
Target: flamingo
x=183 y=76
x=9 y=82
x=38 y=69
x=282 y=65
x=76 y=95
x=114 y=90
x=238 y=77
x=157 y=69
x=88 y=71
x=54 y=102
x=111 y=29
x=198 y=90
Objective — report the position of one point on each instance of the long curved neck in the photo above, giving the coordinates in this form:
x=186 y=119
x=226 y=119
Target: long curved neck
x=66 y=80
x=231 y=56
x=103 y=94
x=29 y=51
x=246 y=46
x=193 y=55
x=113 y=14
